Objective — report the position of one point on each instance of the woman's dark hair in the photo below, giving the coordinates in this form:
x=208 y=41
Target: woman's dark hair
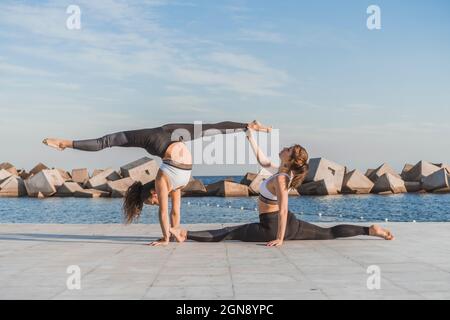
x=299 y=166
x=134 y=200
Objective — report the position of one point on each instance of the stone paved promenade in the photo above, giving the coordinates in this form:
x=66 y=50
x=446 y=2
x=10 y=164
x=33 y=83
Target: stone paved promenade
x=116 y=264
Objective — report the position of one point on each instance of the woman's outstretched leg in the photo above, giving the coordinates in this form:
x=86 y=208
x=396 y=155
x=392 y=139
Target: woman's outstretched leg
x=252 y=232
x=118 y=139
x=309 y=231
x=58 y=144
x=201 y=236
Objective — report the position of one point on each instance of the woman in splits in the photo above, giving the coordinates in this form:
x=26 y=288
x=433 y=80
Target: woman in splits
x=276 y=222
x=174 y=173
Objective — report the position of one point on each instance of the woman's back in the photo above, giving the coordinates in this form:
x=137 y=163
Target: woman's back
x=178 y=152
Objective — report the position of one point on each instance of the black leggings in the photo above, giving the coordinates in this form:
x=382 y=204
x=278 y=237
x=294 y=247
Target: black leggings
x=266 y=230
x=157 y=140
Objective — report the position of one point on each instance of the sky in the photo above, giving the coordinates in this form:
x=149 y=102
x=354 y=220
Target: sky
x=311 y=69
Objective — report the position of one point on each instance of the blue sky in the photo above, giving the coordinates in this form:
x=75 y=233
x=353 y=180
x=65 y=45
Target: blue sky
x=310 y=68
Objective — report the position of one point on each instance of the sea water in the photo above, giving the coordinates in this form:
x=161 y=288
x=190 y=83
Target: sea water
x=342 y=208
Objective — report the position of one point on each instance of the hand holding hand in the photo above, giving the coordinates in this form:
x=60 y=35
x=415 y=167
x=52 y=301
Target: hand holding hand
x=258 y=126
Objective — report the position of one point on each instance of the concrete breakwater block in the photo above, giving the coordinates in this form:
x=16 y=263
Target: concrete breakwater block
x=194 y=188
x=444 y=166
x=321 y=169
x=420 y=171
x=437 y=180
x=5 y=165
x=119 y=187
x=369 y=172
x=40 y=195
x=227 y=189
x=96 y=172
x=248 y=178
x=9 y=167
x=91 y=193
x=389 y=183
x=115 y=176
x=143 y=170
x=13 y=187
x=64 y=174
x=44 y=182
x=412 y=186
x=100 y=181
x=24 y=175
x=38 y=168
x=80 y=175
x=68 y=189
x=323 y=187
x=382 y=170
x=442 y=191
x=4 y=175
x=406 y=168
x=355 y=182
x=262 y=175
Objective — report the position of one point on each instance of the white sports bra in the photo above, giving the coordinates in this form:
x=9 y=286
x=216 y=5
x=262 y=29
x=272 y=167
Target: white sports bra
x=264 y=193
x=178 y=177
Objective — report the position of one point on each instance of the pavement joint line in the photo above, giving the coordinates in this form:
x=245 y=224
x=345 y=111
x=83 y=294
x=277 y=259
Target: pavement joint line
x=160 y=270
x=393 y=282
x=429 y=264
x=229 y=270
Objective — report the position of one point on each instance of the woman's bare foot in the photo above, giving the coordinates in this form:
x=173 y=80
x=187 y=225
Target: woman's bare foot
x=56 y=143
x=258 y=126
x=378 y=231
x=179 y=234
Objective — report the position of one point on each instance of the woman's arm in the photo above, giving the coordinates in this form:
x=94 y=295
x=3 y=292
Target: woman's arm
x=175 y=214
x=163 y=196
x=263 y=160
x=281 y=186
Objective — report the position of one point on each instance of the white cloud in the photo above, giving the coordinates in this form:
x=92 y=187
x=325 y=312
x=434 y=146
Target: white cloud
x=187 y=104
x=127 y=39
x=241 y=73
x=18 y=70
x=261 y=36
x=245 y=83
x=361 y=107
x=238 y=12
x=386 y=130
x=240 y=61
